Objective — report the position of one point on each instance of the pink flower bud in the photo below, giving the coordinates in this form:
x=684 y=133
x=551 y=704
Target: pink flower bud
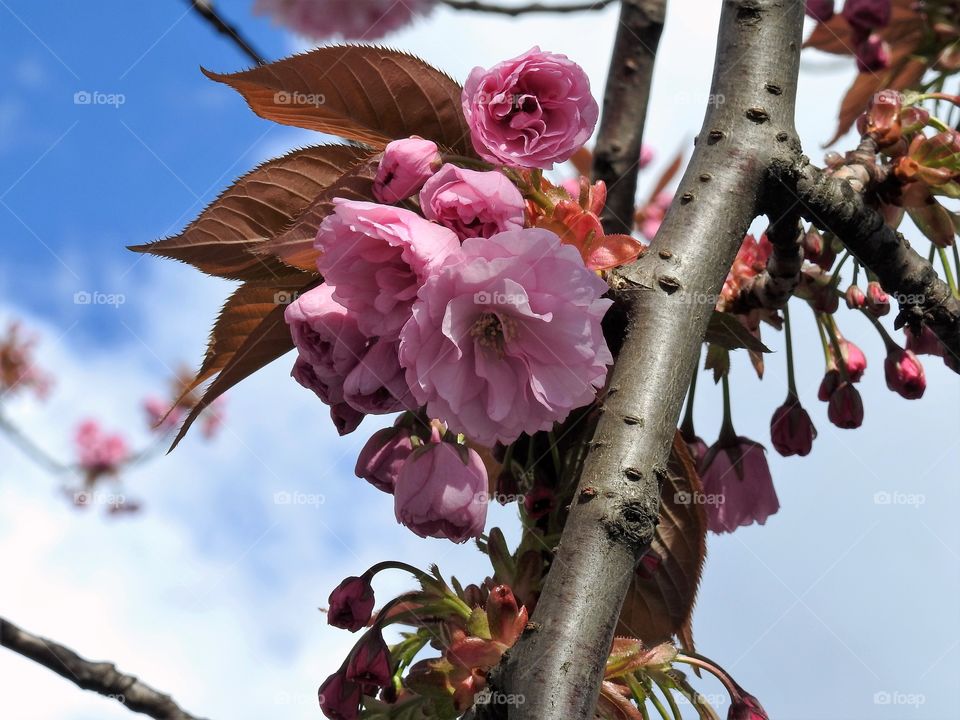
x=339 y=698
x=326 y=335
x=854 y=359
x=791 y=429
x=845 y=407
x=855 y=298
x=382 y=457
x=738 y=477
x=531 y=111
x=538 y=502
x=442 y=492
x=878 y=302
x=746 y=707
x=405 y=166
x=351 y=604
x=904 y=373
x=873 y=54
x=369 y=665
x=820 y=10
x=345 y=418
x=472 y=203
x=867 y=14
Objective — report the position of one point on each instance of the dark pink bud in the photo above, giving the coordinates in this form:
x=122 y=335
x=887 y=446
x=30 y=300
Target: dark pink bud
x=878 y=302
x=867 y=14
x=382 y=457
x=351 y=604
x=369 y=666
x=854 y=359
x=829 y=384
x=505 y=616
x=791 y=429
x=904 y=374
x=812 y=244
x=845 y=408
x=345 y=418
x=538 y=502
x=339 y=698
x=820 y=10
x=746 y=707
x=873 y=54
x=855 y=297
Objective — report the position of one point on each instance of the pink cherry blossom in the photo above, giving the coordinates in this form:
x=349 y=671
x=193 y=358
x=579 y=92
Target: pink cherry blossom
x=325 y=333
x=370 y=665
x=376 y=385
x=99 y=452
x=339 y=697
x=382 y=457
x=532 y=111
x=506 y=337
x=345 y=418
x=356 y=20
x=472 y=203
x=405 y=166
x=736 y=477
x=376 y=257
x=351 y=604
x=442 y=492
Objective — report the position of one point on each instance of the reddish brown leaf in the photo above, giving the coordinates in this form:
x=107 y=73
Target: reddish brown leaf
x=833 y=36
x=222 y=240
x=660 y=602
x=725 y=330
x=294 y=246
x=249 y=333
x=369 y=94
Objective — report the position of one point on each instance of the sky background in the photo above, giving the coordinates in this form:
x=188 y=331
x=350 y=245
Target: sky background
x=842 y=606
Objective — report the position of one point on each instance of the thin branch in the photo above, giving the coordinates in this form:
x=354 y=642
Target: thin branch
x=101 y=677
x=616 y=158
x=206 y=10
x=835 y=205
x=557 y=664
x=536 y=7
x=776 y=284
x=30 y=449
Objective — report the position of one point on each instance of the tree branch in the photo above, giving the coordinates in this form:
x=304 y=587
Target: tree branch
x=206 y=10
x=834 y=204
x=557 y=664
x=616 y=158
x=514 y=10
x=776 y=284
x=101 y=677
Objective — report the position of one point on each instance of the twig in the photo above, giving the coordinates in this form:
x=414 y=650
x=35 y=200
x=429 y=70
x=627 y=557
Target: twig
x=101 y=677
x=206 y=10
x=536 y=7
x=29 y=448
x=616 y=158
x=776 y=284
x=558 y=663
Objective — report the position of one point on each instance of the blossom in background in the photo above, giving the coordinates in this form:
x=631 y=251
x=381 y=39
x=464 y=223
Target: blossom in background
x=404 y=168
x=18 y=371
x=472 y=203
x=442 y=491
x=735 y=472
x=99 y=453
x=376 y=257
x=532 y=111
x=506 y=337
x=365 y=20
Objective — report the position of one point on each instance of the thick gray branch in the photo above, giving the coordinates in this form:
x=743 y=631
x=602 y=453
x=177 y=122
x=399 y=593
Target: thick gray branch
x=616 y=158
x=833 y=204
x=558 y=663
x=101 y=677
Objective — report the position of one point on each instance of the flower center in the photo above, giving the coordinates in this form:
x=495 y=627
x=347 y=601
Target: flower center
x=492 y=331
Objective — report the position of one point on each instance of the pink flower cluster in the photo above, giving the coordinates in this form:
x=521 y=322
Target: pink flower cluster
x=98 y=452
x=365 y=20
x=462 y=313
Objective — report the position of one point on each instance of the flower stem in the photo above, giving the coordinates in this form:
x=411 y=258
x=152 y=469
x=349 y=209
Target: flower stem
x=791 y=378
x=686 y=427
x=726 y=428
x=833 y=333
x=835 y=278
x=948 y=271
x=827 y=358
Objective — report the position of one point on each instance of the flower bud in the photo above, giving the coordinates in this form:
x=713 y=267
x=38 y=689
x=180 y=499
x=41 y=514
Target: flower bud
x=845 y=408
x=351 y=604
x=855 y=297
x=867 y=14
x=405 y=167
x=380 y=460
x=904 y=373
x=339 y=698
x=878 y=302
x=820 y=10
x=791 y=429
x=746 y=707
x=873 y=54
x=812 y=244
x=506 y=618
x=829 y=384
x=369 y=665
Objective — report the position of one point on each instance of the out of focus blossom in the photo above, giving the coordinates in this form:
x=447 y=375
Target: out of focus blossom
x=365 y=20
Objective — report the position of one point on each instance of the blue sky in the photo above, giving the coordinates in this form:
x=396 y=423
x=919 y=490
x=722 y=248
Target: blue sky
x=838 y=604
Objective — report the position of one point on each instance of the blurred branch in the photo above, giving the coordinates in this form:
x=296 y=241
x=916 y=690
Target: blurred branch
x=29 y=448
x=206 y=10
x=616 y=158
x=537 y=7
x=101 y=677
